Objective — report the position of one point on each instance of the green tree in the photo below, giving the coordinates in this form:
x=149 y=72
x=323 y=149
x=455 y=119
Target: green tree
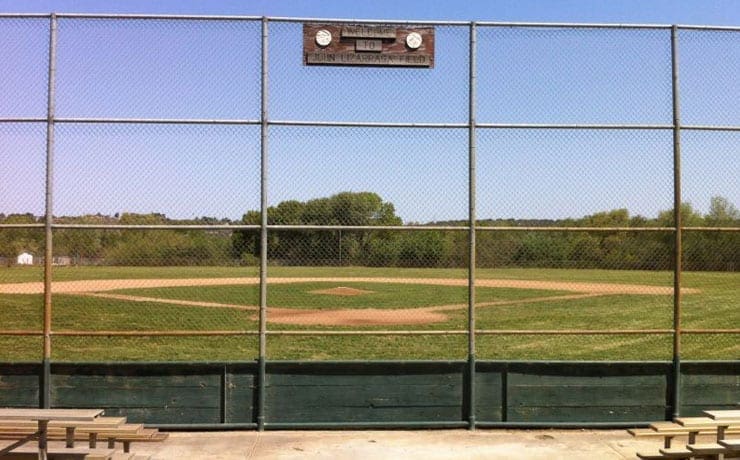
x=722 y=213
x=719 y=250
x=87 y=243
x=165 y=247
x=309 y=246
x=14 y=241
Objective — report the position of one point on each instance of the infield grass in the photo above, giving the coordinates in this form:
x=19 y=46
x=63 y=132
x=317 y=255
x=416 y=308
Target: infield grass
x=303 y=295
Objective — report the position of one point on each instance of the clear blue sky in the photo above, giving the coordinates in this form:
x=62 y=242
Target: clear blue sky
x=716 y=12
x=211 y=70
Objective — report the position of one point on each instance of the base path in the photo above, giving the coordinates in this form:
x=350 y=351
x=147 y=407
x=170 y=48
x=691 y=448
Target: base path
x=69 y=287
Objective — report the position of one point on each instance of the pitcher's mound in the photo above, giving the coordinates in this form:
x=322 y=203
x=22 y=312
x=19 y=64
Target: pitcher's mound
x=358 y=317
x=342 y=291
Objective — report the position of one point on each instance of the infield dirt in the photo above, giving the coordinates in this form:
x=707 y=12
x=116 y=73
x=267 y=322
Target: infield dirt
x=340 y=317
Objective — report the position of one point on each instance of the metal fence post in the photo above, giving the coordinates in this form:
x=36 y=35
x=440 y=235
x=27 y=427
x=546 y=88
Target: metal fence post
x=677 y=224
x=45 y=394
x=263 y=235
x=471 y=231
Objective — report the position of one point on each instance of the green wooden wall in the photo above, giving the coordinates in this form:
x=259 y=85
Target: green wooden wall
x=393 y=394
x=19 y=385
x=709 y=386
x=574 y=392
x=364 y=392
x=159 y=393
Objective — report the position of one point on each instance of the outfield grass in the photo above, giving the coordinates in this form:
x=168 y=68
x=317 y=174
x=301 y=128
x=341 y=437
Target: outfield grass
x=19 y=274
x=716 y=306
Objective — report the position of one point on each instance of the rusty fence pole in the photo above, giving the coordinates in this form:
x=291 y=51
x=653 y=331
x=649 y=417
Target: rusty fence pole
x=677 y=222
x=262 y=379
x=45 y=393
x=471 y=224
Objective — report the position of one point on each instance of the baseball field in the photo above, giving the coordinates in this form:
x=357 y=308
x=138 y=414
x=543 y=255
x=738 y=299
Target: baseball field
x=224 y=302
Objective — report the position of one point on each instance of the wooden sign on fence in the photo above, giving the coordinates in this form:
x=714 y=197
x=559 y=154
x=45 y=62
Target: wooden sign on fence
x=368 y=45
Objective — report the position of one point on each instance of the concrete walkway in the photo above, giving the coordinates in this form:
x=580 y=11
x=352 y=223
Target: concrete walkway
x=426 y=445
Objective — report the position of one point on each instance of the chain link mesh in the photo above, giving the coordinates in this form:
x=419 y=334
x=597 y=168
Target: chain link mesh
x=577 y=250
x=724 y=346
x=152 y=68
x=163 y=171
x=587 y=347
x=710 y=64
x=23 y=348
x=543 y=175
x=576 y=281
x=21 y=261
x=152 y=348
x=437 y=95
x=566 y=75
x=23 y=158
x=23 y=92
x=604 y=293
x=711 y=262
x=322 y=348
x=710 y=257
x=422 y=174
x=366 y=281
x=710 y=171
x=22 y=175
x=157 y=282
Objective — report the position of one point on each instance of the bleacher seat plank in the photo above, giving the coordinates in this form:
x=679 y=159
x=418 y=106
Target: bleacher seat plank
x=706 y=449
x=719 y=423
x=676 y=452
x=111 y=422
x=127 y=435
x=677 y=429
x=79 y=435
x=651 y=456
x=147 y=435
x=61 y=452
x=704 y=422
x=731 y=444
x=75 y=425
x=674 y=428
x=81 y=415
x=129 y=428
x=721 y=415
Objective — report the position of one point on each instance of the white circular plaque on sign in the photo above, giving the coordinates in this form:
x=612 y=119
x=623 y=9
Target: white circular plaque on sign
x=413 y=40
x=323 y=37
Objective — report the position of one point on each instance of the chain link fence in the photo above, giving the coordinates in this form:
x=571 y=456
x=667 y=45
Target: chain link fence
x=185 y=189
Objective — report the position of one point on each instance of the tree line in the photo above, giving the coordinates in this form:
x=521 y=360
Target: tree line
x=120 y=247
x=614 y=249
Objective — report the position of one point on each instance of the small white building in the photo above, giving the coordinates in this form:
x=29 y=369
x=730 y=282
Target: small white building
x=25 y=259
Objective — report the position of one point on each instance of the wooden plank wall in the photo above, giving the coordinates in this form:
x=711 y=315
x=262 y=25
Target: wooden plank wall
x=364 y=392
x=578 y=392
x=159 y=393
x=709 y=386
x=377 y=392
x=19 y=384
